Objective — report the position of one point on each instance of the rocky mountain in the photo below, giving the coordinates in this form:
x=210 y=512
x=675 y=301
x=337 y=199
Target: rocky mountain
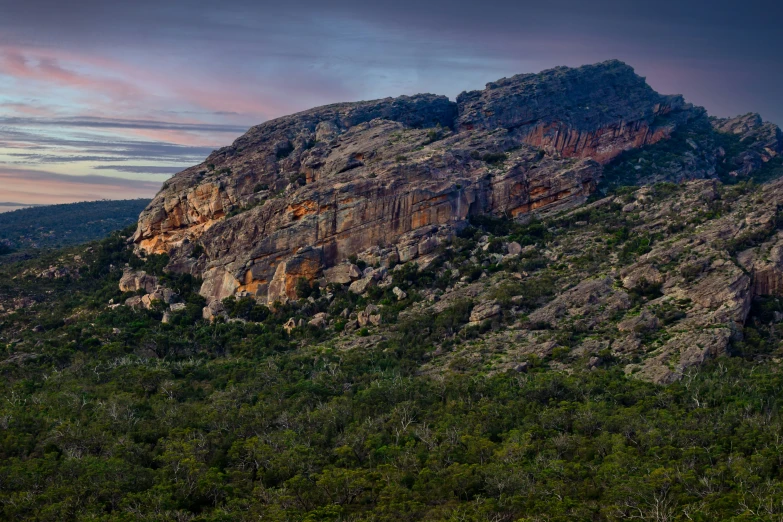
x=396 y=180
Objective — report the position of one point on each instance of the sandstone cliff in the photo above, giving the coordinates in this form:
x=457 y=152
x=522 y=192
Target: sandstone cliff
x=301 y=193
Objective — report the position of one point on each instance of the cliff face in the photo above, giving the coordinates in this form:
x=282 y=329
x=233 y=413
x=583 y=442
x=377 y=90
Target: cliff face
x=268 y=155
x=596 y=111
x=396 y=174
x=376 y=183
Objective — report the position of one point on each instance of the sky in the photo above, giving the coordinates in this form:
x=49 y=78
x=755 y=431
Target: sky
x=106 y=100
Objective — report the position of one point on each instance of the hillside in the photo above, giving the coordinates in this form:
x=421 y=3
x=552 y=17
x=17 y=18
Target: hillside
x=473 y=387
x=417 y=309
x=54 y=226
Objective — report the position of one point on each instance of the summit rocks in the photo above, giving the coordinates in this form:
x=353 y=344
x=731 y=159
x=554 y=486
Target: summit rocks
x=596 y=111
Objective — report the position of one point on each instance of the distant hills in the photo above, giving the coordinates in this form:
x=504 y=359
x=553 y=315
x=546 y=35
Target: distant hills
x=15 y=204
x=62 y=225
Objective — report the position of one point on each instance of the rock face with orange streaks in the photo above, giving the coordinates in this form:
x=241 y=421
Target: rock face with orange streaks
x=344 y=212
x=596 y=111
x=304 y=192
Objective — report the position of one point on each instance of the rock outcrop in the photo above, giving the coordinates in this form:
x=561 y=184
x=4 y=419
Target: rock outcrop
x=762 y=141
x=765 y=264
x=704 y=148
x=396 y=175
x=596 y=111
x=135 y=280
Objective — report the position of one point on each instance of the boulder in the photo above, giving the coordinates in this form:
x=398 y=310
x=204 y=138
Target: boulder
x=135 y=280
x=318 y=320
x=401 y=295
x=593 y=362
x=483 y=311
x=514 y=248
x=289 y=325
x=360 y=286
x=134 y=302
x=343 y=274
x=427 y=245
x=213 y=311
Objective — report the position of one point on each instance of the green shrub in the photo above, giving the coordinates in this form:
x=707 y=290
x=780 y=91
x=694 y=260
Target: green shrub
x=305 y=289
x=494 y=158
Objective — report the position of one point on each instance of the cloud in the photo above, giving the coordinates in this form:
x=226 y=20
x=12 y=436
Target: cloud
x=40 y=186
x=10 y=173
x=50 y=148
x=119 y=123
x=47 y=69
x=140 y=169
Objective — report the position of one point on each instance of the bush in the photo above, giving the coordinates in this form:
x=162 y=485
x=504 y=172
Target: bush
x=494 y=158
x=284 y=151
x=691 y=271
x=305 y=289
x=198 y=251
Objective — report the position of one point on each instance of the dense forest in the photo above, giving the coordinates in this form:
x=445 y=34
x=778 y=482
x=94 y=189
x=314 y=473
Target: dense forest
x=54 y=226
x=108 y=413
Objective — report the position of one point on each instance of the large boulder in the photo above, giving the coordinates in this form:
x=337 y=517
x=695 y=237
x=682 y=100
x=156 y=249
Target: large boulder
x=213 y=311
x=135 y=280
x=483 y=311
x=343 y=273
x=362 y=285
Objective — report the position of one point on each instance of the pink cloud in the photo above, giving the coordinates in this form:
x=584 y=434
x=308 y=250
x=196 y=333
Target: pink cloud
x=35 y=186
x=47 y=69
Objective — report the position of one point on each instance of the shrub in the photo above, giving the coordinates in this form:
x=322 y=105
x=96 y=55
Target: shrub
x=494 y=158
x=284 y=151
x=198 y=251
x=691 y=271
x=305 y=289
